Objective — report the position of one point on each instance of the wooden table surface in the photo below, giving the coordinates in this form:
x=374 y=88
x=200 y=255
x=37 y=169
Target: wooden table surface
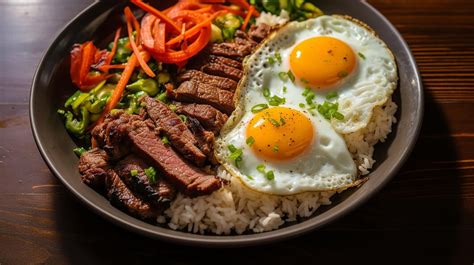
x=425 y=215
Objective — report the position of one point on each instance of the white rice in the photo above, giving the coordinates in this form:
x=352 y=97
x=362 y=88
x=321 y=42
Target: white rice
x=237 y=209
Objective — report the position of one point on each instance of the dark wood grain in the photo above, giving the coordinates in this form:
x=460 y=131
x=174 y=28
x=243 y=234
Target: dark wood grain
x=425 y=215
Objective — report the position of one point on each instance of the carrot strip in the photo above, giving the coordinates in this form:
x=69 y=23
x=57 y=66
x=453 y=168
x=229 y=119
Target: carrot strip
x=111 y=55
x=194 y=30
x=157 y=14
x=143 y=64
x=160 y=36
x=247 y=18
x=119 y=88
x=245 y=5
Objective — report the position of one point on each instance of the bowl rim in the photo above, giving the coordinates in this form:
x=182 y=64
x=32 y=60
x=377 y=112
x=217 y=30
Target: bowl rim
x=234 y=240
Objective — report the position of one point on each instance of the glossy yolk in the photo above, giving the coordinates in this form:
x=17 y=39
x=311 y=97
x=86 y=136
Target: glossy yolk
x=280 y=133
x=322 y=61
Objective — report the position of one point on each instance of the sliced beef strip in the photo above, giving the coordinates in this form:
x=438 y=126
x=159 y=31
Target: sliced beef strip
x=199 y=76
x=205 y=138
x=195 y=92
x=189 y=179
x=173 y=127
x=159 y=193
x=109 y=134
x=209 y=117
x=222 y=70
x=225 y=61
x=243 y=38
x=93 y=166
x=122 y=197
x=230 y=50
x=260 y=32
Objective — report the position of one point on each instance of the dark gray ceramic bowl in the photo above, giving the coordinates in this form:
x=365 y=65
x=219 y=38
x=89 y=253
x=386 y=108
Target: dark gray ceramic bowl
x=51 y=85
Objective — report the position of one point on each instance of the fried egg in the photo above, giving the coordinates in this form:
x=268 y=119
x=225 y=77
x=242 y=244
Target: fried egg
x=307 y=84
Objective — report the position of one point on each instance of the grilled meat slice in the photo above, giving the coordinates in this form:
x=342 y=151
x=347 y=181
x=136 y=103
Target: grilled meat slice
x=187 y=178
x=260 y=32
x=209 y=117
x=131 y=170
x=222 y=70
x=109 y=134
x=121 y=197
x=230 y=50
x=93 y=166
x=212 y=80
x=205 y=138
x=173 y=127
x=195 y=92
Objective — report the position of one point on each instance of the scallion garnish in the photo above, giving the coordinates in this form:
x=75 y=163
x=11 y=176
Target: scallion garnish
x=331 y=95
x=261 y=168
x=361 y=55
x=343 y=73
x=329 y=110
x=282 y=121
x=283 y=76
x=250 y=141
x=79 y=151
x=274 y=122
x=271 y=60
x=266 y=92
x=249 y=177
x=151 y=174
x=304 y=81
x=165 y=140
x=133 y=172
x=183 y=117
x=276 y=149
x=278 y=57
x=284 y=89
x=270 y=175
x=276 y=101
x=301 y=105
x=259 y=107
x=291 y=76
x=306 y=91
x=235 y=154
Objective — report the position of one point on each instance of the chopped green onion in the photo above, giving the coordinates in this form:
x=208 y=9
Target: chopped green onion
x=151 y=174
x=338 y=116
x=343 y=73
x=309 y=97
x=331 y=95
x=276 y=149
x=276 y=101
x=173 y=107
x=271 y=60
x=304 y=81
x=79 y=151
x=306 y=91
x=266 y=92
x=270 y=175
x=165 y=140
x=261 y=168
x=183 y=117
x=274 y=122
x=283 y=76
x=361 y=55
x=232 y=148
x=278 y=57
x=282 y=121
x=249 y=177
x=133 y=172
x=236 y=154
x=259 y=107
x=250 y=141
x=301 y=105
x=284 y=89
x=291 y=76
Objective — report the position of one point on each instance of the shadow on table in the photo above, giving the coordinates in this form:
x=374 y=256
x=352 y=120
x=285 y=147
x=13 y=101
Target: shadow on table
x=412 y=220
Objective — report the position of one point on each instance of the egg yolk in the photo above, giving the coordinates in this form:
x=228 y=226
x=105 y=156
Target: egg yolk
x=279 y=133
x=322 y=61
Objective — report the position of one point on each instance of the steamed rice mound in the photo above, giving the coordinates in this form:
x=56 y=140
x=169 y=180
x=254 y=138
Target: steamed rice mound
x=236 y=208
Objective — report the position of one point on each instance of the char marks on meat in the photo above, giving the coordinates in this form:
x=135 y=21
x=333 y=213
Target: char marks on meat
x=173 y=127
x=122 y=197
x=158 y=193
x=216 y=81
x=205 y=138
x=189 y=179
x=195 y=92
x=209 y=117
x=260 y=32
x=93 y=166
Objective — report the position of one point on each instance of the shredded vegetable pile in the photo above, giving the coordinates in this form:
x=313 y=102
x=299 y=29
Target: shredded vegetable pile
x=142 y=62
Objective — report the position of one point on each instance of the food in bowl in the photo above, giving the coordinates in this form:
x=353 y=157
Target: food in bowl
x=229 y=117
